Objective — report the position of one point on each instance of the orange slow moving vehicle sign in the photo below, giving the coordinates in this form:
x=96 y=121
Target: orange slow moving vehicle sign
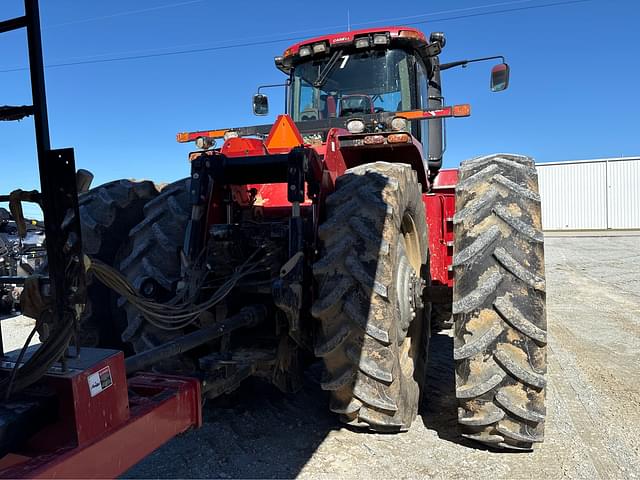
x=284 y=135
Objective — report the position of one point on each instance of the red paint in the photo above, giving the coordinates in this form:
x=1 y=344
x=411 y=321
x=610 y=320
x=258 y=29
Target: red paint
x=446 y=178
x=271 y=195
x=440 y=206
x=334 y=162
x=243 y=147
x=82 y=417
x=162 y=406
x=410 y=153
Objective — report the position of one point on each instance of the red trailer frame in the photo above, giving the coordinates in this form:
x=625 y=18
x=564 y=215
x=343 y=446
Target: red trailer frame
x=104 y=428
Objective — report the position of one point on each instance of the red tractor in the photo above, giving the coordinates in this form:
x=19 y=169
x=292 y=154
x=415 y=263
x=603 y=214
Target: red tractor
x=334 y=234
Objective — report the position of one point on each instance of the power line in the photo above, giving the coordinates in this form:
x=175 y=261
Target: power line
x=280 y=40
x=268 y=37
x=530 y=7
x=166 y=54
x=433 y=14
x=122 y=14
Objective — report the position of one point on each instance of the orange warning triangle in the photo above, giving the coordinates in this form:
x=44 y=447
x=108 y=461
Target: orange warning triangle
x=284 y=135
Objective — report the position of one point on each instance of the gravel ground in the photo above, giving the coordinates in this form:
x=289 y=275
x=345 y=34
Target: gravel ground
x=593 y=404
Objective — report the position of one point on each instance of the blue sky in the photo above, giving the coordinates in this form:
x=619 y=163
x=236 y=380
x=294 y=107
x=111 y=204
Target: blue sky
x=573 y=92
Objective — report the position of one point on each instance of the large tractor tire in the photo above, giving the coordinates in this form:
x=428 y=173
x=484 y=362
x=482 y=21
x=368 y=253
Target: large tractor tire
x=499 y=303
x=152 y=257
x=373 y=332
x=107 y=213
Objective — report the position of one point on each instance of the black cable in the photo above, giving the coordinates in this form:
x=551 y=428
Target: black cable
x=14 y=370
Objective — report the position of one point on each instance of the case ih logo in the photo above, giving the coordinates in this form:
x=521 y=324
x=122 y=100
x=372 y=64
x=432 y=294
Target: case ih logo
x=340 y=39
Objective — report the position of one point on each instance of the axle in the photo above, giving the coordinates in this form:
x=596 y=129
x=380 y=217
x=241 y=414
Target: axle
x=248 y=317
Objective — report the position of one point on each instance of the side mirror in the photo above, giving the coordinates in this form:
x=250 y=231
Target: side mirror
x=260 y=104
x=499 y=77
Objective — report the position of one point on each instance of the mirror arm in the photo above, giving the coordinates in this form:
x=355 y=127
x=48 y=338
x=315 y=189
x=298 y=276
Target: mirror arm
x=273 y=85
x=464 y=63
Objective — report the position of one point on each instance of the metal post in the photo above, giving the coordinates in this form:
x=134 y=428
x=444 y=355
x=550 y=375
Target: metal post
x=36 y=67
x=59 y=197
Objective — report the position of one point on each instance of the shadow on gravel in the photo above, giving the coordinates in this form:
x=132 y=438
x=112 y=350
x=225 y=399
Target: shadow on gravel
x=257 y=432
x=439 y=411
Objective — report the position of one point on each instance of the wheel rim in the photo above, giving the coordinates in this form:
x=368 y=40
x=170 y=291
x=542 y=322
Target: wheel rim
x=412 y=242
x=407 y=283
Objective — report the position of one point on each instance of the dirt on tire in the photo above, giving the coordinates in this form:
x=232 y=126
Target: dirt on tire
x=371 y=336
x=153 y=253
x=107 y=213
x=499 y=303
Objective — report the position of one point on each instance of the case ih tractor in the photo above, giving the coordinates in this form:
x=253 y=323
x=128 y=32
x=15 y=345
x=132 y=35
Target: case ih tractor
x=334 y=234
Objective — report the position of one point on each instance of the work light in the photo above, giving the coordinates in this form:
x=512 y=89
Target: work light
x=380 y=39
x=319 y=47
x=398 y=123
x=355 y=125
x=362 y=42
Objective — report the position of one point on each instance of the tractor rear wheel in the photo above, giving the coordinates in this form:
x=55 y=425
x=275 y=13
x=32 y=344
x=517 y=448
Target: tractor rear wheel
x=150 y=260
x=499 y=303
x=107 y=213
x=373 y=335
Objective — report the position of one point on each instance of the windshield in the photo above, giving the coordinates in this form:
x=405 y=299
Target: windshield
x=359 y=83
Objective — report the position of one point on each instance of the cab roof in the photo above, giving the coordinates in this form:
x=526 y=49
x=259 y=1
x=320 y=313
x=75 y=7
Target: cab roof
x=346 y=38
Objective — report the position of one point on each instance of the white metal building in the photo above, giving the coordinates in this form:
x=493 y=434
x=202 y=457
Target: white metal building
x=602 y=194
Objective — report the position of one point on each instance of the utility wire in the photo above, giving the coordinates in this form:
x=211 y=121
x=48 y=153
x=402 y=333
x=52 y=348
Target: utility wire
x=280 y=40
x=294 y=32
x=508 y=10
x=442 y=12
x=122 y=14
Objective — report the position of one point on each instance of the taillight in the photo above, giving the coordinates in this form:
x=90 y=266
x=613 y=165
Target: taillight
x=373 y=139
x=399 y=138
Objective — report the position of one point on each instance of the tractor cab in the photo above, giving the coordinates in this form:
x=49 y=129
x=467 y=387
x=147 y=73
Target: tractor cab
x=365 y=81
x=359 y=74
